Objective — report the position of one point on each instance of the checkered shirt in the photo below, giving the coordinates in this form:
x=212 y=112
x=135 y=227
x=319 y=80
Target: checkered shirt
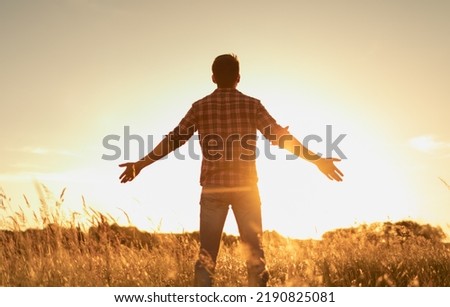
x=227 y=122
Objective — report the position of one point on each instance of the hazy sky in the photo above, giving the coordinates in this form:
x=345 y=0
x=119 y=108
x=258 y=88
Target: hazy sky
x=74 y=71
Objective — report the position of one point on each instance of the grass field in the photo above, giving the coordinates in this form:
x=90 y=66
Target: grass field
x=61 y=253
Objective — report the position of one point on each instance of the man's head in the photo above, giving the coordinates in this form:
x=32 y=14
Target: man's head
x=226 y=71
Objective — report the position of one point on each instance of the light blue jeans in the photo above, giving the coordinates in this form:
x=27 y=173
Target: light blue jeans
x=246 y=206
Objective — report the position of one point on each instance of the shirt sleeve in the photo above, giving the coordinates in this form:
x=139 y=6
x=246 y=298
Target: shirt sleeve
x=268 y=126
x=185 y=129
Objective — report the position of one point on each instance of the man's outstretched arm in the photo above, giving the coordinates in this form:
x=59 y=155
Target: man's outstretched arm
x=133 y=169
x=181 y=134
x=280 y=136
x=325 y=165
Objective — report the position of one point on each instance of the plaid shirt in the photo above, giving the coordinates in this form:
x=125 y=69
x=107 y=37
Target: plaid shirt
x=227 y=122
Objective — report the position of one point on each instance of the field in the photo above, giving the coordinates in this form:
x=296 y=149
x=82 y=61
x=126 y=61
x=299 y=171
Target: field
x=61 y=253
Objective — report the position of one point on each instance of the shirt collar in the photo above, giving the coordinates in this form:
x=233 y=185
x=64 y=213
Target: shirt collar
x=225 y=90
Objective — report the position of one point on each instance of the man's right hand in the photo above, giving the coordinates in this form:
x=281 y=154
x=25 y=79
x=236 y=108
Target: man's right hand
x=131 y=171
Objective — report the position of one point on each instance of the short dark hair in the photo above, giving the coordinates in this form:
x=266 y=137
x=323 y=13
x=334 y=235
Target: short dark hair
x=226 y=70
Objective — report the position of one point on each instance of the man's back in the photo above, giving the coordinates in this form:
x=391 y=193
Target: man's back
x=227 y=122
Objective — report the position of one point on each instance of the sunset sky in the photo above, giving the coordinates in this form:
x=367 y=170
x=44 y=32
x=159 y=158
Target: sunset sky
x=75 y=71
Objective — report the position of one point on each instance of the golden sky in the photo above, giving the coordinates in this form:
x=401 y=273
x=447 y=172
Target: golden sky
x=74 y=71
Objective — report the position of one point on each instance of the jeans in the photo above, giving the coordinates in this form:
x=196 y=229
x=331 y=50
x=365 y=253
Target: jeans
x=246 y=206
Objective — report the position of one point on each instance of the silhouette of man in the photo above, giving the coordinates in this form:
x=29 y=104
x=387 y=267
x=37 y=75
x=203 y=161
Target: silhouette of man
x=227 y=122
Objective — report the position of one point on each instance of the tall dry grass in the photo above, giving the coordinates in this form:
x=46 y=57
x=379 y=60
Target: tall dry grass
x=60 y=251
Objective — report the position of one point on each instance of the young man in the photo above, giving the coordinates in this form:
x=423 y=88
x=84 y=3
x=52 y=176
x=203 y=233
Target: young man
x=227 y=122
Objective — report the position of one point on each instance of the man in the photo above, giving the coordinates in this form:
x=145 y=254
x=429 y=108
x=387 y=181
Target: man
x=227 y=122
